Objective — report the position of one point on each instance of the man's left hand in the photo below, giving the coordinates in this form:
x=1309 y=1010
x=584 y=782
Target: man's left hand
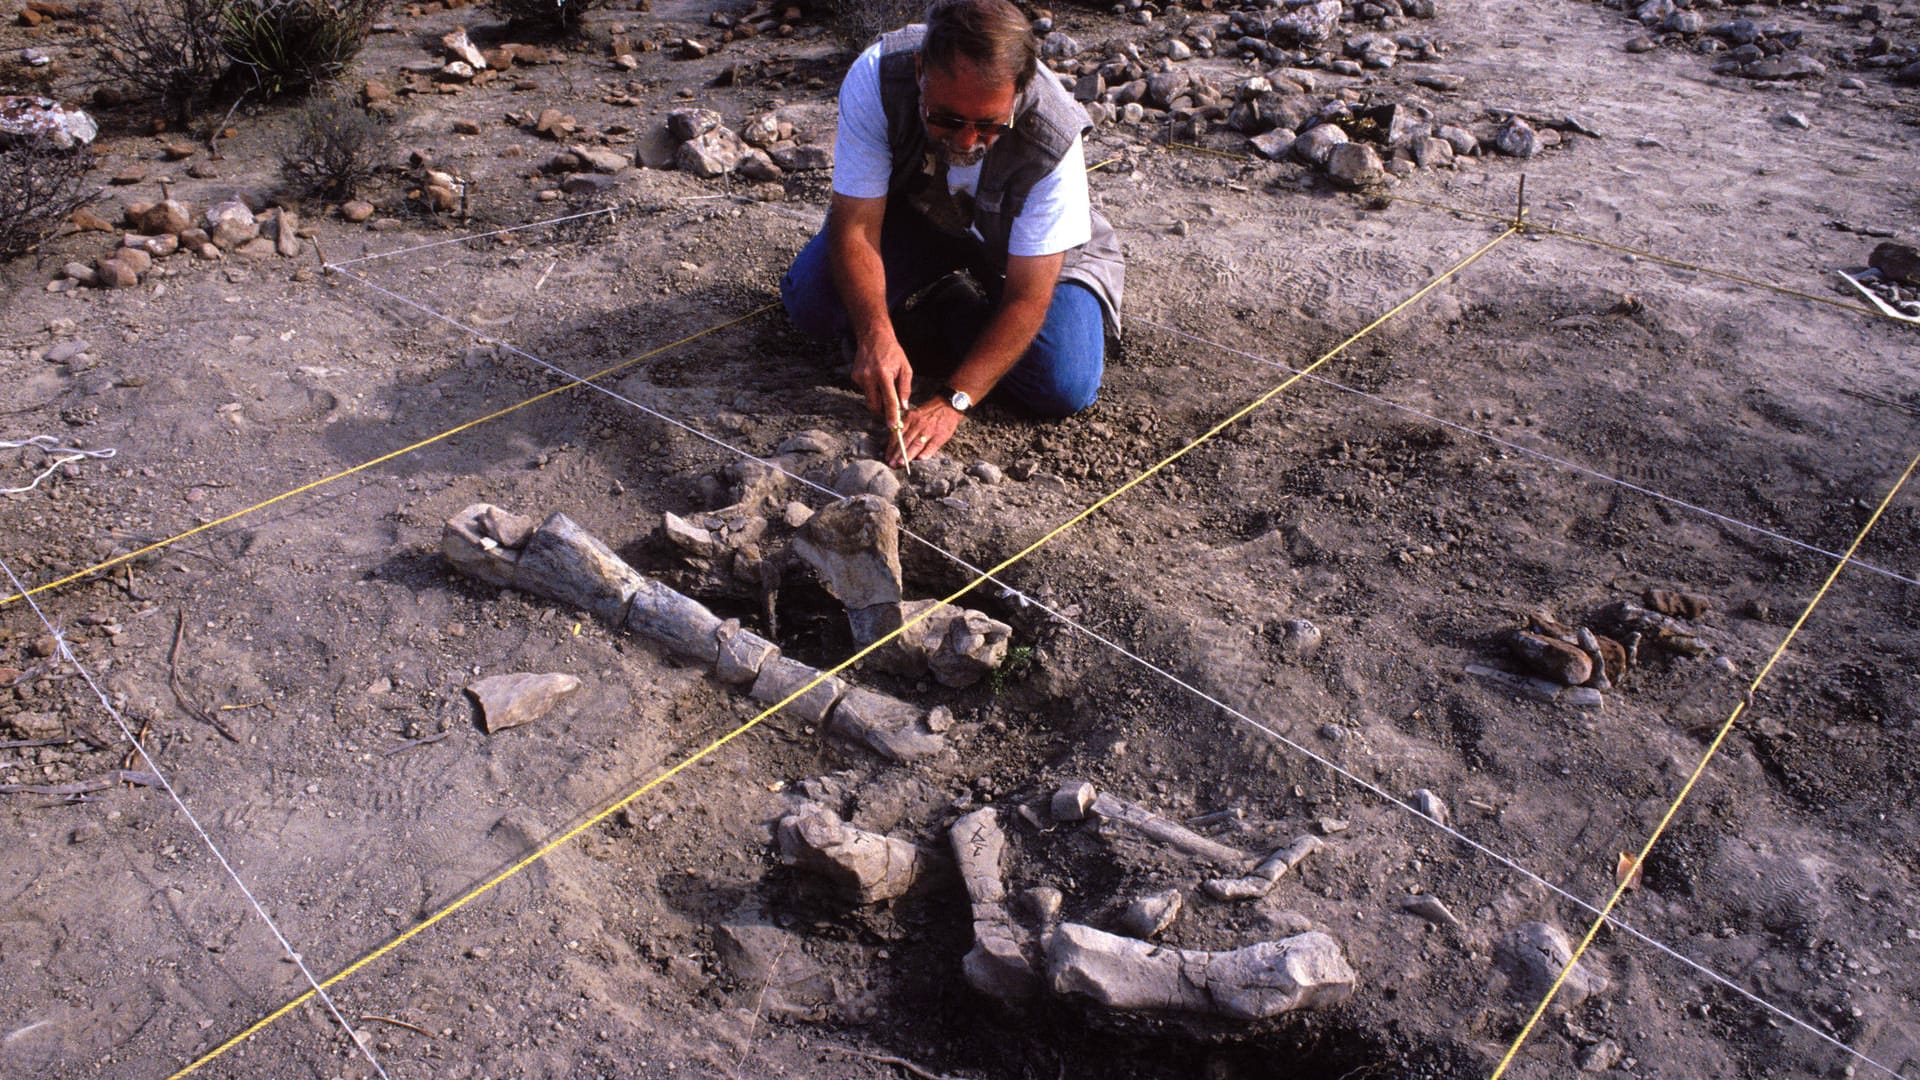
x=929 y=426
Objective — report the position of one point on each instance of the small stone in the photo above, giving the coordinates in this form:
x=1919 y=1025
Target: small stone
x=1429 y=907
x=1072 y=801
x=136 y=258
x=286 y=235
x=1583 y=697
x=1639 y=44
x=1432 y=152
x=1273 y=145
x=466 y=127
x=1601 y=1056
x=867 y=476
x=1300 y=639
x=356 y=210
x=512 y=700
x=1516 y=138
x=114 y=274
x=79 y=272
x=1797 y=119
x=711 y=154
x=1315 y=145
x=165 y=216
x=986 y=472
x=132 y=174
x=1430 y=806
x=461 y=49
x=684 y=124
x=1464 y=142
x=1355 y=165
x=458 y=71
x=1896 y=262
x=1148 y=917
x=230 y=224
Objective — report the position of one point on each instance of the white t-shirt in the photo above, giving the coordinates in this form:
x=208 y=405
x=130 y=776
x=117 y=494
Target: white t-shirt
x=1057 y=215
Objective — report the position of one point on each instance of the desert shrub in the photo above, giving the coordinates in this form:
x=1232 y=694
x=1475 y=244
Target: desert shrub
x=287 y=46
x=857 y=22
x=39 y=187
x=168 y=51
x=548 y=16
x=335 y=147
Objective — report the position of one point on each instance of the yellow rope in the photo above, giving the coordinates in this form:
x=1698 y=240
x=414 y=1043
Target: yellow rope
x=383 y=458
x=1686 y=789
x=547 y=848
x=1582 y=238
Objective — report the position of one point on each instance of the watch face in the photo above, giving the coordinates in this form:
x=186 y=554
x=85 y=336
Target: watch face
x=960 y=401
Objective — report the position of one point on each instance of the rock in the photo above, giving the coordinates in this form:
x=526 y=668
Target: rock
x=1533 y=956
x=111 y=273
x=85 y=220
x=1315 y=145
x=286 y=235
x=864 y=867
x=797 y=158
x=1464 y=142
x=1789 y=66
x=79 y=272
x=137 y=259
x=756 y=165
x=458 y=71
x=764 y=130
x=466 y=127
x=1355 y=165
x=681 y=623
x=1429 y=907
x=885 y=725
x=854 y=546
x=461 y=49
x=867 y=476
x=555 y=125
x=1150 y=916
x=1550 y=658
x=1583 y=697
x=1429 y=806
x=1908 y=75
x=1896 y=262
x=1072 y=801
x=685 y=124
x=257 y=248
x=1432 y=152
x=740 y=654
x=230 y=224
x=1273 y=145
x=780 y=677
x=986 y=472
x=601 y=160
x=1308 y=25
x=1516 y=138
x=165 y=216
x=45 y=122
x=1305 y=971
x=1684 y=22
x=512 y=700
x=997 y=964
x=958 y=646
x=356 y=210
x=1299 y=640
x=157 y=246
x=712 y=154
x=1600 y=1057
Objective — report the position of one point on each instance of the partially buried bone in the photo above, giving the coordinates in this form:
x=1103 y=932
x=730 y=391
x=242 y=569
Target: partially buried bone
x=865 y=867
x=1301 y=972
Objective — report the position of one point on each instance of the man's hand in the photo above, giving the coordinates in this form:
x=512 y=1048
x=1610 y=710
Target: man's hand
x=928 y=428
x=878 y=364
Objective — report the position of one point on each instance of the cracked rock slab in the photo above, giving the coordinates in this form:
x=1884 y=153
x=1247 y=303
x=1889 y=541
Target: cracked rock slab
x=511 y=700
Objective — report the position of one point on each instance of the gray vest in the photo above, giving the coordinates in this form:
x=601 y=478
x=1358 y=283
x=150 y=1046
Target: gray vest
x=1046 y=121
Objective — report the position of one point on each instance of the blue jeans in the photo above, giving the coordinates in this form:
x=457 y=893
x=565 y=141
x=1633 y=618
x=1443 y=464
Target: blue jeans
x=1058 y=376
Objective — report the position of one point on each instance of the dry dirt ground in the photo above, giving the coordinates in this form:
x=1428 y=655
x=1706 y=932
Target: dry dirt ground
x=329 y=635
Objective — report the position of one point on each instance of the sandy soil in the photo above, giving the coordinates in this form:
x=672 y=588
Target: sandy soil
x=327 y=635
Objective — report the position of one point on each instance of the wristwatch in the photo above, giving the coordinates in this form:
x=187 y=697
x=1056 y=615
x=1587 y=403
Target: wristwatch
x=959 y=399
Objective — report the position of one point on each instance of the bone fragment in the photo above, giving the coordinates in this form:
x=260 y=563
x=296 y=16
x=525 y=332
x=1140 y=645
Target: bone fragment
x=1265 y=875
x=1171 y=833
x=957 y=646
x=691 y=537
x=675 y=620
x=865 y=867
x=1429 y=907
x=477 y=542
x=563 y=562
x=1304 y=971
x=997 y=964
x=521 y=698
x=1149 y=916
x=1590 y=644
x=886 y=725
x=781 y=676
x=1072 y=801
x=854 y=545
x=741 y=654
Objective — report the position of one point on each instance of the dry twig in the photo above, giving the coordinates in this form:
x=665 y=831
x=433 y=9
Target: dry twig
x=889 y=1059
x=179 y=692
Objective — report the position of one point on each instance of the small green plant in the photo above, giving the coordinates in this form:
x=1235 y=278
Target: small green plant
x=335 y=147
x=1017 y=666
x=545 y=16
x=39 y=187
x=289 y=46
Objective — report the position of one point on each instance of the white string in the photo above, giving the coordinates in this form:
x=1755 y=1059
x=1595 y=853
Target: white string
x=1010 y=591
x=607 y=210
x=1542 y=456
x=61 y=455
x=154 y=767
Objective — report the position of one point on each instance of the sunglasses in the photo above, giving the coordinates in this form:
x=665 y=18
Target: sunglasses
x=943 y=121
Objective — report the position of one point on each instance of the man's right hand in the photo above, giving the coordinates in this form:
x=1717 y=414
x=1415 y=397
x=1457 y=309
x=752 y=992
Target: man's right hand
x=878 y=365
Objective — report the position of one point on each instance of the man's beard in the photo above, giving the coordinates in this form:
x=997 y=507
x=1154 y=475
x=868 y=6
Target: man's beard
x=959 y=159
